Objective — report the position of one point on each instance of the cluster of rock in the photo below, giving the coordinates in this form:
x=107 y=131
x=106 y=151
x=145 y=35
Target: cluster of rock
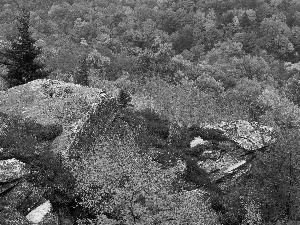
x=22 y=201
x=36 y=149
x=230 y=153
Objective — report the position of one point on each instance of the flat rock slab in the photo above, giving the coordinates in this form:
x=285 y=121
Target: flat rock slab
x=42 y=99
x=38 y=214
x=12 y=169
x=10 y=216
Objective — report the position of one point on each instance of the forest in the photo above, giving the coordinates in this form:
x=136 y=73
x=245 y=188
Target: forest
x=188 y=62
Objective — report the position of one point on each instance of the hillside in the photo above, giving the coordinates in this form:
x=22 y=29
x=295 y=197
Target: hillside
x=150 y=111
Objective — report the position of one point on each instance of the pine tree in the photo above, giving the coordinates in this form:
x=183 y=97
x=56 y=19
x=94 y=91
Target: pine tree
x=19 y=57
x=81 y=74
x=245 y=22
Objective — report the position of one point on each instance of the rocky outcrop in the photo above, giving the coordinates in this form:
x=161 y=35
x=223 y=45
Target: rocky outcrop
x=228 y=153
x=46 y=125
x=249 y=136
x=38 y=143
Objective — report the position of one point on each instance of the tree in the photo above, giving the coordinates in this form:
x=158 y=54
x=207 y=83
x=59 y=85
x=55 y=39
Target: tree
x=81 y=74
x=183 y=39
x=123 y=98
x=19 y=57
x=245 y=22
x=275 y=37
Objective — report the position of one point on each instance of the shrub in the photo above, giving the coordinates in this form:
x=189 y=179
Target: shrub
x=155 y=124
x=186 y=104
x=292 y=90
x=129 y=188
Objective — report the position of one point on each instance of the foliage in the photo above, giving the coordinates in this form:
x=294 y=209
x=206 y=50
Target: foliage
x=131 y=189
x=282 y=113
x=188 y=62
x=275 y=36
x=252 y=67
x=183 y=103
x=19 y=58
x=292 y=90
x=281 y=186
x=81 y=75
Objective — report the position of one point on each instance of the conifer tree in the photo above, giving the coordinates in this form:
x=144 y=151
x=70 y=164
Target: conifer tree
x=20 y=56
x=81 y=74
x=245 y=22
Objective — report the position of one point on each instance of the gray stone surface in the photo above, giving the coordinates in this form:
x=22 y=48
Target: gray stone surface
x=12 y=169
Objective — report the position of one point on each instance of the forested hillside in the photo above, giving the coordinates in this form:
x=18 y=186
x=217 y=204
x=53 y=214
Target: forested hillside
x=187 y=62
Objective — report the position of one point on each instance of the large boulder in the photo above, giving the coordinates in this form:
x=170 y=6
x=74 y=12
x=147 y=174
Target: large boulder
x=38 y=214
x=46 y=113
x=249 y=135
x=226 y=150
x=45 y=126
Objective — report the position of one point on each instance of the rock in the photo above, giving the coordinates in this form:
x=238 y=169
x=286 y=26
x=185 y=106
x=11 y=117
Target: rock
x=36 y=121
x=45 y=132
x=15 y=197
x=43 y=101
x=25 y=128
x=197 y=141
x=10 y=216
x=14 y=132
x=38 y=214
x=211 y=154
x=12 y=169
x=221 y=164
x=33 y=128
x=249 y=136
x=235 y=166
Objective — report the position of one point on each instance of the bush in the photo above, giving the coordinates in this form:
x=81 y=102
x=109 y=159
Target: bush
x=185 y=104
x=129 y=188
x=292 y=90
x=155 y=124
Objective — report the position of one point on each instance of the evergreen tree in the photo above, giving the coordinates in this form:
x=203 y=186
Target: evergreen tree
x=81 y=74
x=19 y=57
x=245 y=22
